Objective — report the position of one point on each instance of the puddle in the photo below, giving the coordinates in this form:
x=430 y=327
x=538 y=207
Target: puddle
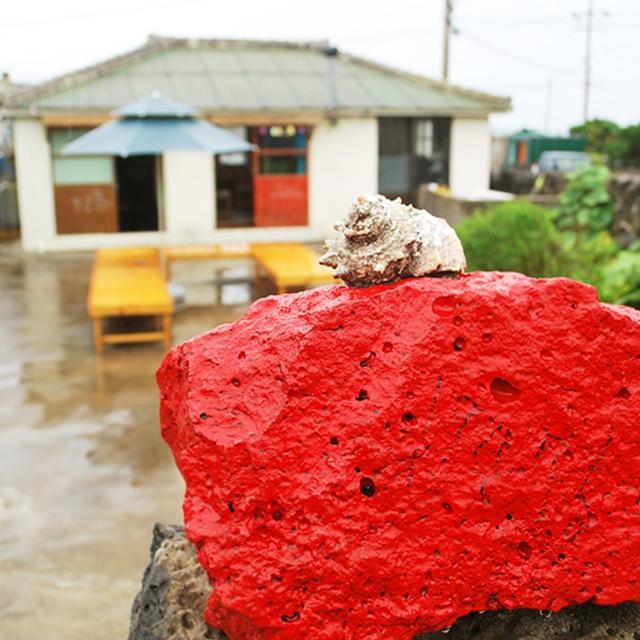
x=84 y=473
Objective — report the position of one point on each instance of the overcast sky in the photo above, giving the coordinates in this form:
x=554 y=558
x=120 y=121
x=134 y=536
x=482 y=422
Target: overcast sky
x=531 y=50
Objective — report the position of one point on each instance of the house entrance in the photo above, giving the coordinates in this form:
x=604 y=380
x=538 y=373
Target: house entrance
x=269 y=187
x=234 y=190
x=137 y=193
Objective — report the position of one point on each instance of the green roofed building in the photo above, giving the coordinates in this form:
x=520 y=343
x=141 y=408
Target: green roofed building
x=325 y=127
x=525 y=147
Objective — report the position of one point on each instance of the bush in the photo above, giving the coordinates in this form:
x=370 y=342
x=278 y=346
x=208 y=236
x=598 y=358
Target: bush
x=585 y=205
x=586 y=257
x=620 y=280
x=513 y=236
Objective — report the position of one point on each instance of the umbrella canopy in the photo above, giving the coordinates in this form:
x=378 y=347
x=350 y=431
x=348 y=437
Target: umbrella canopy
x=155 y=106
x=152 y=126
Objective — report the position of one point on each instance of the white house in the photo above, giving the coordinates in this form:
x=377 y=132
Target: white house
x=327 y=125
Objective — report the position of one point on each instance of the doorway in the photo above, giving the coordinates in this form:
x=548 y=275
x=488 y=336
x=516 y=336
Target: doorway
x=412 y=152
x=266 y=188
x=234 y=190
x=137 y=193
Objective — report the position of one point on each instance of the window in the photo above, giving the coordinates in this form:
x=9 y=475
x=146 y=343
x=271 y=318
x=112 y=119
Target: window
x=424 y=138
x=84 y=188
x=77 y=170
x=283 y=149
x=412 y=151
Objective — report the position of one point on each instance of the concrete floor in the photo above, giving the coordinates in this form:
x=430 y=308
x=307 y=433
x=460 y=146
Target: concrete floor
x=84 y=473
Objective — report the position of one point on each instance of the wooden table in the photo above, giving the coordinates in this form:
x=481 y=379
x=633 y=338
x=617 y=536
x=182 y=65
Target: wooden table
x=291 y=265
x=126 y=283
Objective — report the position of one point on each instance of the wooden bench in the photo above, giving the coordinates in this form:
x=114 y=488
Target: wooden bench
x=126 y=283
x=133 y=281
x=291 y=266
x=173 y=253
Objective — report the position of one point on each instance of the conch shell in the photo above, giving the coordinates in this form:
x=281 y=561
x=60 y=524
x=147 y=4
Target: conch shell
x=382 y=240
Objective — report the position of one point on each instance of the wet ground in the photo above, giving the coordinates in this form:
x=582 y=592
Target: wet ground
x=84 y=473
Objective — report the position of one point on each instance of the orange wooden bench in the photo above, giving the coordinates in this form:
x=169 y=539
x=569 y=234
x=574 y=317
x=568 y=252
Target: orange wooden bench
x=173 y=253
x=288 y=265
x=291 y=266
x=129 y=282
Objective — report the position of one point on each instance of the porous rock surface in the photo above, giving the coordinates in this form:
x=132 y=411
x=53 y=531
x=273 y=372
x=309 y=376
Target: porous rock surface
x=383 y=240
x=581 y=622
x=171 y=601
x=374 y=463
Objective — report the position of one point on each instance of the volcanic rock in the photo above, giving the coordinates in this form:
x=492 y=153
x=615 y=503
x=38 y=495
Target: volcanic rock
x=374 y=463
x=174 y=592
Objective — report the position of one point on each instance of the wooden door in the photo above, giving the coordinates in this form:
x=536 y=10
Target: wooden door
x=280 y=181
x=85 y=194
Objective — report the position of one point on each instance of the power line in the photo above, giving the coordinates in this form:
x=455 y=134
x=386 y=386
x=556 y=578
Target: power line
x=510 y=54
x=540 y=86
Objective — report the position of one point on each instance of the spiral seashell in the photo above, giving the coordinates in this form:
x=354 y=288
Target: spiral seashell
x=383 y=240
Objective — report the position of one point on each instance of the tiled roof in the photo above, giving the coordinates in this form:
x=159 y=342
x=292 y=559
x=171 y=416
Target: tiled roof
x=222 y=76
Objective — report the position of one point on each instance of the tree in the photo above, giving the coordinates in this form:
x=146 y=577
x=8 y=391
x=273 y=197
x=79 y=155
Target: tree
x=621 y=145
x=598 y=133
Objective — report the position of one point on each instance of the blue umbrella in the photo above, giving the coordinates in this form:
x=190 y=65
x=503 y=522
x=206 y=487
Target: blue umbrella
x=152 y=126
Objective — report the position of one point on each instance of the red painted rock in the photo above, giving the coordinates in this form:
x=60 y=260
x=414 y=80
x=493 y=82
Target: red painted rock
x=371 y=463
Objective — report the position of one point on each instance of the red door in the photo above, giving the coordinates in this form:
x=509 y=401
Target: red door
x=280 y=200
x=280 y=183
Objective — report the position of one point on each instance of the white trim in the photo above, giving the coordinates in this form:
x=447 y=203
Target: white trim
x=92 y=241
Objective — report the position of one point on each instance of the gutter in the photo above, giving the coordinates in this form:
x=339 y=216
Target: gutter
x=332 y=53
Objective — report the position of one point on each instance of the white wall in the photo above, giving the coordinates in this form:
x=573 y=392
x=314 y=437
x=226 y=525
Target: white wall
x=189 y=194
x=343 y=163
x=35 y=184
x=470 y=156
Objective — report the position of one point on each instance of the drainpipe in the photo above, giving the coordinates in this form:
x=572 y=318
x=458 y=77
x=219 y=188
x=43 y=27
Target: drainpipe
x=332 y=54
x=5 y=88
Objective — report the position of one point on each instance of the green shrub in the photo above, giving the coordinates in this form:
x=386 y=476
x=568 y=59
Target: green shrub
x=585 y=205
x=513 y=236
x=620 y=279
x=587 y=256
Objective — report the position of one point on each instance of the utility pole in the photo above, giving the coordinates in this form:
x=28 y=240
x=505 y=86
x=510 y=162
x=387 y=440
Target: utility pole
x=448 y=11
x=589 y=17
x=548 y=102
x=587 y=62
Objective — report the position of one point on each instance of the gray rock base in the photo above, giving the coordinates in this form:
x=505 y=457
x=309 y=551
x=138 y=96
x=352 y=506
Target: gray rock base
x=175 y=589
x=581 y=622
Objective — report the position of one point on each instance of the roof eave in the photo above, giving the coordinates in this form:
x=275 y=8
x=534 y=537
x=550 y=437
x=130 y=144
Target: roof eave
x=310 y=115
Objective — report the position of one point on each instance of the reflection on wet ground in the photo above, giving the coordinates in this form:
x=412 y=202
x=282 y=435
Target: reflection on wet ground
x=83 y=471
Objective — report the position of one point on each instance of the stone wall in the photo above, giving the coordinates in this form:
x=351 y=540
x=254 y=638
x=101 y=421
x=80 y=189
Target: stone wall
x=625 y=191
